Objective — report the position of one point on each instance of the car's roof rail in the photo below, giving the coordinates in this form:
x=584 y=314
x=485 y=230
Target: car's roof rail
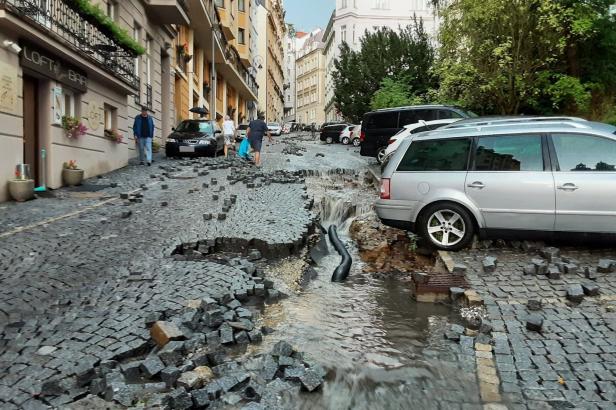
x=474 y=122
x=406 y=107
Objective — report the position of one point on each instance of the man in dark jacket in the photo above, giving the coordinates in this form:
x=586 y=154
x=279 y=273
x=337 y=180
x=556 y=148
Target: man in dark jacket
x=143 y=130
x=257 y=129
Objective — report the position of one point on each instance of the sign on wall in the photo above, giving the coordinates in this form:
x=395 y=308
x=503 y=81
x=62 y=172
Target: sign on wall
x=94 y=115
x=8 y=88
x=53 y=67
x=57 y=103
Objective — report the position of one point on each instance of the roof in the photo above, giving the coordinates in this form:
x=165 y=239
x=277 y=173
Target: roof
x=528 y=127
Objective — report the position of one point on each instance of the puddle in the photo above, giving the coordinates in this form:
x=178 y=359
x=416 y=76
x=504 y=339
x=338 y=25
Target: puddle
x=378 y=344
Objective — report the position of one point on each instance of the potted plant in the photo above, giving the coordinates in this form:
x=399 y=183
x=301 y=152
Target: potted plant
x=73 y=128
x=71 y=174
x=20 y=188
x=114 y=136
x=155 y=146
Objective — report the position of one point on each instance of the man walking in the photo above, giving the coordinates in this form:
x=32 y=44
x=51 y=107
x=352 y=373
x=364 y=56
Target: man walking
x=228 y=131
x=255 y=132
x=143 y=130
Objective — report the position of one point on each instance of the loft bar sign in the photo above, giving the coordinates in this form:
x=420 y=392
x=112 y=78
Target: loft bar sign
x=51 y=66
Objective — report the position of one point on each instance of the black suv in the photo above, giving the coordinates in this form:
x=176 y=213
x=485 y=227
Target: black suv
x=379 y=126
x=331 y=133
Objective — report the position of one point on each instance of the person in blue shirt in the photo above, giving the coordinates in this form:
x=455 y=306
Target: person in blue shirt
x=143 y=130
x=255 y=132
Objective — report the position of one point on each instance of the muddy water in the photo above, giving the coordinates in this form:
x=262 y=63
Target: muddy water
x=382 y=349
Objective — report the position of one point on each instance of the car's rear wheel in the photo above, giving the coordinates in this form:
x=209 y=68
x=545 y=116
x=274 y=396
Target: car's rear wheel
x=345 y=140
x=380 y=155
x=447 y=226
x=329 y=140
x=356 y=142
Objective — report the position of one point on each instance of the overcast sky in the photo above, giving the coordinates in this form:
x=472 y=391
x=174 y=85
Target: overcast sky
x=307 y=15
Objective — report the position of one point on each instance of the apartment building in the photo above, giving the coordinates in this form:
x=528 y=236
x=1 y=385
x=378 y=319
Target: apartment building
x=219 y=31
x=311 y=80
x=294 y=41
x=57 y=61
x=352 y=18
x=271 y=47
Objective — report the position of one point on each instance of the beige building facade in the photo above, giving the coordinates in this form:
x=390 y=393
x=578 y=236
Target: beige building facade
x=271 y=52
x=57 y=62
x=311 y=80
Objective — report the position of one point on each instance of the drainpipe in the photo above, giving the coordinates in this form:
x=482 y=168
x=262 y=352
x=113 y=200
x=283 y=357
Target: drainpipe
x=213 y=70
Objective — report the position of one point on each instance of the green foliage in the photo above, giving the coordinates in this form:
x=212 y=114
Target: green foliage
x=527 y=56
x=96 y=14
x=389 y=67
x=393 y=93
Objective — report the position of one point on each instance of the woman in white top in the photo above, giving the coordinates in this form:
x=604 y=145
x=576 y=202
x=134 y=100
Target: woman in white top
x=228 y=130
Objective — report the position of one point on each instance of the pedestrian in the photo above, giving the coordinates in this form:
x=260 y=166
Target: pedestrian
x=228 y=131
x=255 y=132
x=143 y=131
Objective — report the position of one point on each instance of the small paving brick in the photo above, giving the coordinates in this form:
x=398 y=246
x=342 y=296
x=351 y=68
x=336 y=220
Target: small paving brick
x=575 y=293
x=489 y=264
x=553 y=272
x=311 y=380
x=590 y=289
x=534 y=323
x=459 y=269
x=163 y=332
x=151 y=366
x=550 y=253
x=534 y=304
x=605 y=266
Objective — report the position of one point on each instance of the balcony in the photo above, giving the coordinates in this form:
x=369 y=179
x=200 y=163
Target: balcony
x=59 y=21
x=227 y=22
x=168 y=11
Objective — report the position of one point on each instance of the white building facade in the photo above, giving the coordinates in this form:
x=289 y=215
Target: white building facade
x=352 y=18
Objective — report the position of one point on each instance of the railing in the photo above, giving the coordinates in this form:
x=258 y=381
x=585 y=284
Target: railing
x=60 y=19
x=148 y=96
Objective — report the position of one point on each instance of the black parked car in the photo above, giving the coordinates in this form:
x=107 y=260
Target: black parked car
x=195 y=138
x=331 y=133
x=379 y=126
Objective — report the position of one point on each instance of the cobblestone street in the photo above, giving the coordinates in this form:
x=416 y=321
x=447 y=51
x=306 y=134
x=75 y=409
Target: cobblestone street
x=77 y=290
x=570 y=362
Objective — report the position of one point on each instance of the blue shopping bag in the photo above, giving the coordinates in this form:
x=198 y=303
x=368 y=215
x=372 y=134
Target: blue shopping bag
x=244 y=149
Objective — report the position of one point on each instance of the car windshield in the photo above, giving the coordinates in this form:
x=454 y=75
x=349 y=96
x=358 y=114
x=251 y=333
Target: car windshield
x=195 y=126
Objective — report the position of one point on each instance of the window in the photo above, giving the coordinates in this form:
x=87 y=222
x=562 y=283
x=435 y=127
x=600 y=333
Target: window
x=447 y=114
x=111 y=9
x=241 y=5
x=509 y=153
x=148 y=60
x=382 y=120
x=111 y=117
x=241 y=36
x=578 y=152
x=137 y=37
x=343 y=33
x=436 y=155
x=69 y=103
x=412 y=116
x=343 y=4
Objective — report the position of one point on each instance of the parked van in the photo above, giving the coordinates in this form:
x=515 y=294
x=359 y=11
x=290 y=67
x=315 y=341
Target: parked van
x=379 y=126
x=522 y=177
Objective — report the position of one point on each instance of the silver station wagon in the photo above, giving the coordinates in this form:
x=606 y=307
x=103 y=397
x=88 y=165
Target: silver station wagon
x=496 y=177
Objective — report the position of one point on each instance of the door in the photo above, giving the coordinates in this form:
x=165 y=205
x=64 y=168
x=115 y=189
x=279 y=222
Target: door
x=510 y=184
x=31 y=134
x=585 y=179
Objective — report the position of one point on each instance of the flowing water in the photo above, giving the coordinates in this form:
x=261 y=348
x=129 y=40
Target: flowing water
x=380 y=347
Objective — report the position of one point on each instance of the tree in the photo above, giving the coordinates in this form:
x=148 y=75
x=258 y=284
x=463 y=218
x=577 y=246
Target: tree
x=393 y=93
x=404 y=57
x=532 y=56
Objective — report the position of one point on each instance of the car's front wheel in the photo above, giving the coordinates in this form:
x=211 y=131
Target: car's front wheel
x=380 y=155
x=346 y=140
x=447 y=226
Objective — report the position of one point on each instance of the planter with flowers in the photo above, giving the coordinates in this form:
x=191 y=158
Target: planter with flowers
x=71 y=174
x=20 y=188
x=73 y=128
x=183 y=52
x=114 y=136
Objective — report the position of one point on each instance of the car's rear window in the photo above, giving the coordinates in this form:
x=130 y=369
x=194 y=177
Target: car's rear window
x=195 y=126
x=377 y=120
x=436 y=155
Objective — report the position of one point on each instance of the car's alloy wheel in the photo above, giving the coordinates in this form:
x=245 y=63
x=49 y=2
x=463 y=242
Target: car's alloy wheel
x=346 y=140
x=356 y=142
x=447 y=226
x=380 y=155
x=329 y=140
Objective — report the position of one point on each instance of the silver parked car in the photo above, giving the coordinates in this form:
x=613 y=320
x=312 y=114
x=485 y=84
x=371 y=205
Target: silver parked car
x=523 y=176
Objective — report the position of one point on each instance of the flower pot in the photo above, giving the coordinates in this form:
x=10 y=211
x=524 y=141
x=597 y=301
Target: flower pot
x=21 y=190
x=72 y=177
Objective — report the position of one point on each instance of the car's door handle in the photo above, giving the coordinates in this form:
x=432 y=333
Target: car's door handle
x=476 y=184
x=568 y=187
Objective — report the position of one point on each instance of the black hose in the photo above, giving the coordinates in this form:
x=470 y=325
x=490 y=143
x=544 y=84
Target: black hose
x=342 y=271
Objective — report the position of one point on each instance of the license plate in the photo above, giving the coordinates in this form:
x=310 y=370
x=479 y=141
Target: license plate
x=184 y=148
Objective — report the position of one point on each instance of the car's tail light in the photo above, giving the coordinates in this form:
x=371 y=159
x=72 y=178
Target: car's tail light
x=362 y=136
x=391 y=141
x=385 y=188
